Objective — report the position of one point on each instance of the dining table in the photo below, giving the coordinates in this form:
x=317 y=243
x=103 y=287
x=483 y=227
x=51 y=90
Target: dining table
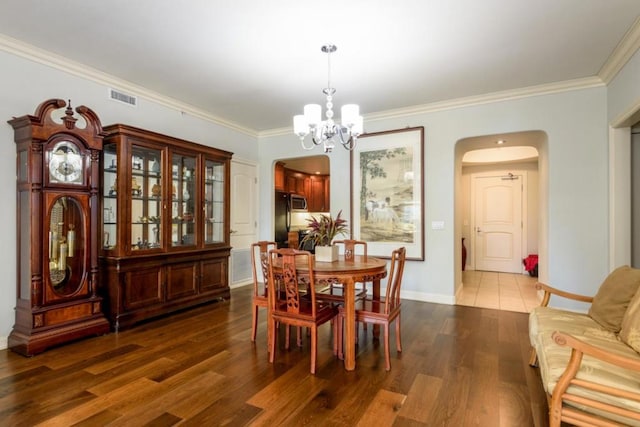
x=359 y=269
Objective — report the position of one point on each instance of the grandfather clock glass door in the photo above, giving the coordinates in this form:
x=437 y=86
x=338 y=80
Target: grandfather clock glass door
x=65 y=257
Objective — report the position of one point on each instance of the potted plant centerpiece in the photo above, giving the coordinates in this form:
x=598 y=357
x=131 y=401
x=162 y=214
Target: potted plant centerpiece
x=322 y=231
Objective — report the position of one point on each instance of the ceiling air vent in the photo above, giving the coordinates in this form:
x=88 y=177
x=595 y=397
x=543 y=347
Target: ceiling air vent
x=123 y=97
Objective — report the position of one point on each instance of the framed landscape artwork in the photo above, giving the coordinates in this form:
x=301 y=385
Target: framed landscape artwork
x=387 y=209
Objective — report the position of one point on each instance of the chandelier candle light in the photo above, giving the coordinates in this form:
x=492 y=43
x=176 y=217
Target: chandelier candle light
x=326 y=132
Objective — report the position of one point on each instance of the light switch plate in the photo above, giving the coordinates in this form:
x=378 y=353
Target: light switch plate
x=437 y=225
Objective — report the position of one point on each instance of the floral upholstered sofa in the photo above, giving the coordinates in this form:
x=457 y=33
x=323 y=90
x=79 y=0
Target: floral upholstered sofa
x=590 y=362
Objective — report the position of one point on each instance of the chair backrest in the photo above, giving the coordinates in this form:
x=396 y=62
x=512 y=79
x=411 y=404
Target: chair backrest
x=260 y=265
x=285 y=269
x=394 y=281
x=351 y=248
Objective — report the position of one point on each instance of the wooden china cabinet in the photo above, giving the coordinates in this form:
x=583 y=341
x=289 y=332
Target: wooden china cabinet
x=165 y=224
x=58 y=176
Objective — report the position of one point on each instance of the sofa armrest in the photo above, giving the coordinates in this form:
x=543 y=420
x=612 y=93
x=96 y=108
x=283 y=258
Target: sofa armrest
x=577 y=397
x=632 y=363
x=548 y=291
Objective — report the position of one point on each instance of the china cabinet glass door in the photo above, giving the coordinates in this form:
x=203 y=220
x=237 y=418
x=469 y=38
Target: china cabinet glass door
x=146 y=198
x=183 y=200
x=214 y=195
x=110 y=197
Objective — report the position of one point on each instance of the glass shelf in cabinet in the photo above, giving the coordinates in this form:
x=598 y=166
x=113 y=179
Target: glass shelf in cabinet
x=145 y=173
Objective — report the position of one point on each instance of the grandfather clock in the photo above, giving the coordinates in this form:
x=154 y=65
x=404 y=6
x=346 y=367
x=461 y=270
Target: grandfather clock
x=58 y=177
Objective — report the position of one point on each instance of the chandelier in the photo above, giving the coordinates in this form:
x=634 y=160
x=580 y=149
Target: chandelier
x=327 y=132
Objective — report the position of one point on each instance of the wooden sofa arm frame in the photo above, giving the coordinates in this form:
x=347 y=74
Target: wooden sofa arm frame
x=579 y=348
x=548 y=291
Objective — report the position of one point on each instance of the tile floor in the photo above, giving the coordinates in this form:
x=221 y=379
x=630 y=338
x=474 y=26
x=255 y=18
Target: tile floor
x=502 y=291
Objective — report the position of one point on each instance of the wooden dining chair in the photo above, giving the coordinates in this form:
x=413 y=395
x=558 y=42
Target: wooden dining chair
x=351 y=248
x=382 y=312
x=260 y=264
x=334 y=291
x=296 y=305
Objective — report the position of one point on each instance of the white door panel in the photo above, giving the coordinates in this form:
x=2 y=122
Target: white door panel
x=244 y=218
x=498 y=223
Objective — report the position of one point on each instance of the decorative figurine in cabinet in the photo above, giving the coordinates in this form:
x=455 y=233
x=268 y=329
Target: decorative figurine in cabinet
x=165 y=224
x=57 y=213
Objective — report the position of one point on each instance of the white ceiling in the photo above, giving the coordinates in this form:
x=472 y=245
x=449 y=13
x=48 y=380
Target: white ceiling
x=254 y=64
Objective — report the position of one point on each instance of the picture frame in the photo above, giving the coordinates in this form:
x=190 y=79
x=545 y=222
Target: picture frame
x=387 y=191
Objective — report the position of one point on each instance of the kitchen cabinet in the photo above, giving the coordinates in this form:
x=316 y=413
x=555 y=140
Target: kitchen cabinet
x=318 y=198
x=315 y=188
x=279 y=182
x=297 y=182
x=165 y=224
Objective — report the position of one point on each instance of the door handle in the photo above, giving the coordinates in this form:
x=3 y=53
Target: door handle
x=478 y=230
x=233 y=231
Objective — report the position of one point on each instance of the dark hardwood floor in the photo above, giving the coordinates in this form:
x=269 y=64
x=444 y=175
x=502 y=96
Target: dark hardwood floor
x=461 y=366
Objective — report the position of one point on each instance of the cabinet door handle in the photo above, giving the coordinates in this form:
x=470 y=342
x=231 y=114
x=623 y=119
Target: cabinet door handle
x=233 y=231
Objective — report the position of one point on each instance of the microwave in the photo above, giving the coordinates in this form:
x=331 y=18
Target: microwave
x=297 y=203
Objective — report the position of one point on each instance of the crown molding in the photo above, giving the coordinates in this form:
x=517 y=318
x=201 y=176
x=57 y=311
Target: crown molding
x=66 y=65
x=627 y=118
x=489 y=98
x=525 y=92
x=630 y=43
x=627 y=47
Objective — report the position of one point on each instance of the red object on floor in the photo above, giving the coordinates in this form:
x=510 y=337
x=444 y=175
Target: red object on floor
x=530 y=262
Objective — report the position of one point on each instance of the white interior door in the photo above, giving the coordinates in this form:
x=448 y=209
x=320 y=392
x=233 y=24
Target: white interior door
x=243 y=220
x=498 y=222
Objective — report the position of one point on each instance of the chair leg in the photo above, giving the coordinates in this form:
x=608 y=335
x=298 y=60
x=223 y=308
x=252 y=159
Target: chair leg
x=398 y=335
x=340 y=333
x=334 y=329
x=314 y=348
x=272 y=342
x=287 y=336
x=387 y=356
x=254 y=326
x=533 y=358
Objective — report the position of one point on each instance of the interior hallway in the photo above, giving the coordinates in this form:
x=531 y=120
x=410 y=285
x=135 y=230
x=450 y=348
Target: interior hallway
x=502 y=291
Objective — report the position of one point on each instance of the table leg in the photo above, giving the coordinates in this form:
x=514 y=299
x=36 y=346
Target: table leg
x=376 y=297
x=349 y=325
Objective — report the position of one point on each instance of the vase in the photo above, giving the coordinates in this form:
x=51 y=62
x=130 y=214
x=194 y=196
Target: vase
x=326 y=253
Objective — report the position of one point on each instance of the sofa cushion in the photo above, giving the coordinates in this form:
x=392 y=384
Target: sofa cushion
x=613 y=297
x=630 y=332
x=546 y=320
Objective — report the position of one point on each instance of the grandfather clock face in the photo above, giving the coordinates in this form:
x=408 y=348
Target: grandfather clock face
x=66 y=164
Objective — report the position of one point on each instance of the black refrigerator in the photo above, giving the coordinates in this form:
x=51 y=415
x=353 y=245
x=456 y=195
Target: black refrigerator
x=282 y=218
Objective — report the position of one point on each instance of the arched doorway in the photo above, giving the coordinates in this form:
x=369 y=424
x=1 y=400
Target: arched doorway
x=508 y=165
